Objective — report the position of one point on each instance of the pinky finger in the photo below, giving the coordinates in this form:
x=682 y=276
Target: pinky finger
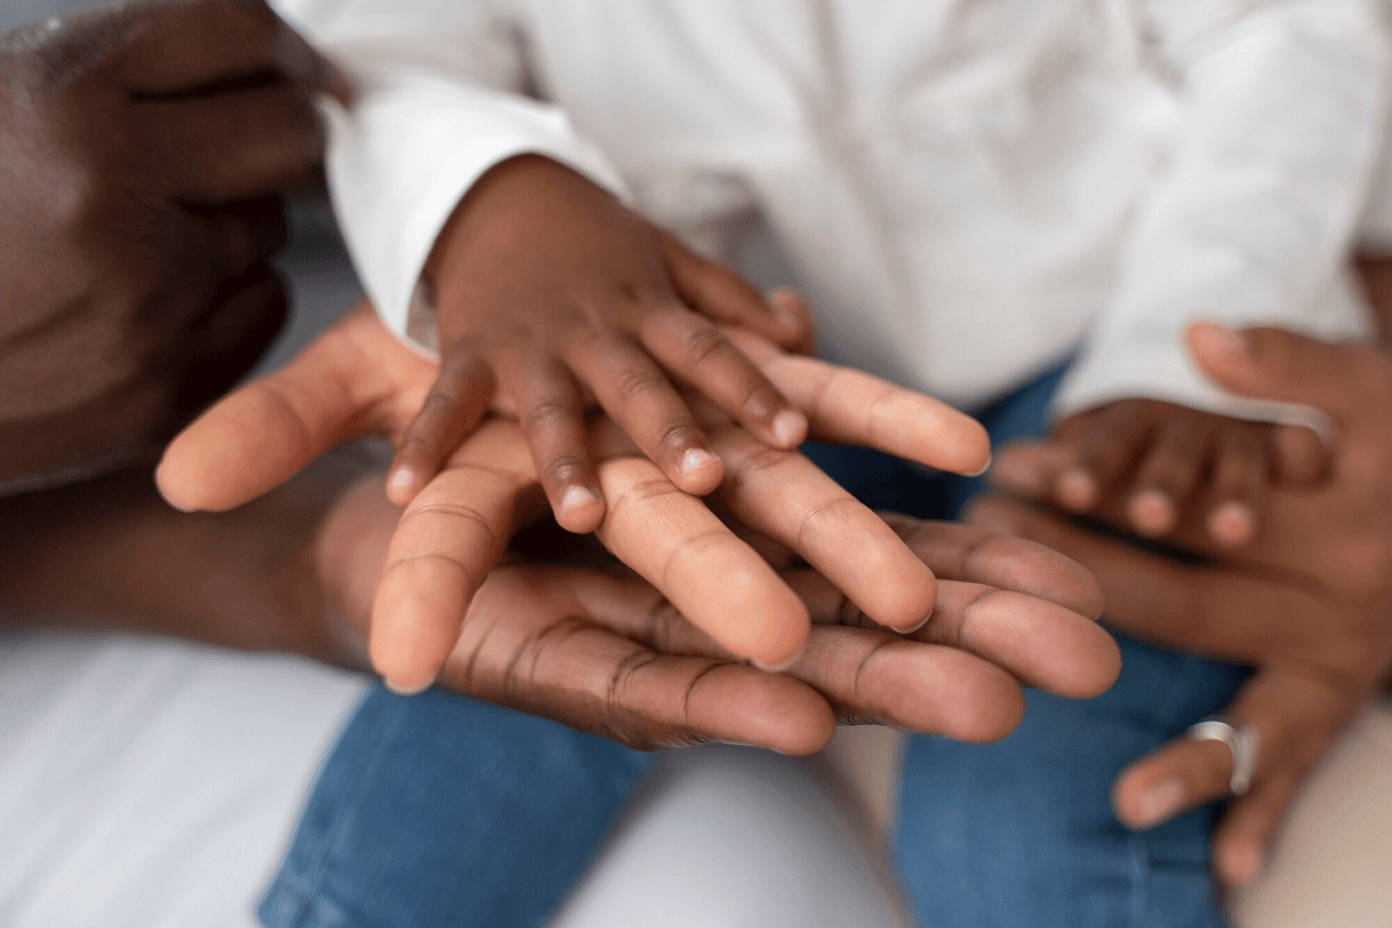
x=451 y=411
x=721 y=294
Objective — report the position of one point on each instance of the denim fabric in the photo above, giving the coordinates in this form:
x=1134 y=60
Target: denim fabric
x=1021 y=832
x=436 y=810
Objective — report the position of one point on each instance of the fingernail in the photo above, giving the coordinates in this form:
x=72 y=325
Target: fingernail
x=409 y=690
x=1160 y=803
x=404 y=480
x=911 y=628
x=1231 y=523
x=1076 y=488
x=576 y=497
x=789 y=428
x=695 y=460
x=1151 y=512
x=1220 y=340
x=985 y=467
x=781 y=667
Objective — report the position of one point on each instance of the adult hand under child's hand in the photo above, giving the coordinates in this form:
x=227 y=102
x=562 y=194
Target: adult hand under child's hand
x=358 y=379
x=606 y=653
x=1155 y=465
x=1309 y=604
x=548 y=290
x=142 y=154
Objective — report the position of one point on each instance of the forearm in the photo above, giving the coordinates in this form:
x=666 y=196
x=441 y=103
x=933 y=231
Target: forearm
x=111 y=554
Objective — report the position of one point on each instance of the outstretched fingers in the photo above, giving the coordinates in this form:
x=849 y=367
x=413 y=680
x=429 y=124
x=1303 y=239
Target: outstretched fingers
x=452 y=410
x=851 y=407
x=785 y=496
x=447 y=541
x=573 y=645
x=354 y=380
x=1294 y=719
x=717 y=581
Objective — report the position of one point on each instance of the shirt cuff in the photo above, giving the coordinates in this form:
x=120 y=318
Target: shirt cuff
x=403 y=157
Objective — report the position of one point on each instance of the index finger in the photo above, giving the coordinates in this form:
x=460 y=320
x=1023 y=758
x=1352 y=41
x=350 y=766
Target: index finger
x=716 y=580
x=851 y=407
x=191 y=44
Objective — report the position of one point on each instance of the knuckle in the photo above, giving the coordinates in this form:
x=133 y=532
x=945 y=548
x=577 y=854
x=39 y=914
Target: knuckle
x=703 y=342
x=547 y=411
x=566 y=469
x=678 y=436
x=639 y=383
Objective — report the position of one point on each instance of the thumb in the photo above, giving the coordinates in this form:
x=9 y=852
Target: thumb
x=265 y=432
x=1273 y=364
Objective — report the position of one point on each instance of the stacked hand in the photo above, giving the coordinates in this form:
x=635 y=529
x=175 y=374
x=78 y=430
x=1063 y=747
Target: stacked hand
x=1308 y=604
x=1155 y=464
x=143 y=152
x=575 y=645
x=549 y=296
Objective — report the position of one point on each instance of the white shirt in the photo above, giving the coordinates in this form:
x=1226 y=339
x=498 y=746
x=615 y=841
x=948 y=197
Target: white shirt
x=964 y=190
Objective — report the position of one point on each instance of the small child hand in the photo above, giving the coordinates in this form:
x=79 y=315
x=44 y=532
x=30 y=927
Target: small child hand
x=1164 y=465
x=550 y=292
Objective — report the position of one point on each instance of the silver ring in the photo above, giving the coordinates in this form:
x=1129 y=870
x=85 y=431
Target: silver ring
x=1241 y=741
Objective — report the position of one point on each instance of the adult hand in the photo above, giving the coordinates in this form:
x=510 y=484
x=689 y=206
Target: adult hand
x=357 y=378
x=142 y=154
x=608 y=654
x=1308 y=604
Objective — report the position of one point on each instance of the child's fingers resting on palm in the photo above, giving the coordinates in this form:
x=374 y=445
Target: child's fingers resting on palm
x=548 y=292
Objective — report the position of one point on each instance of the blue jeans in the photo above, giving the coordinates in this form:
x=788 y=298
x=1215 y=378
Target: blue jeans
x=1021 y=832
x=438 y=810
x=435 y=810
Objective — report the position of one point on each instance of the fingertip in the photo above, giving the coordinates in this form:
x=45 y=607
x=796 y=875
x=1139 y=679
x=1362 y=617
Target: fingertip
x=1157 y=804
x=1076 y=489
x=413 y=688
x=1151 y=512
x=168 y=484
x=1018 y=473
x=793 y=316
x=1232 y=524
x=1238 y=862
x=789 y=429
x=700 y=471
x=403 y=485
x=581 y=510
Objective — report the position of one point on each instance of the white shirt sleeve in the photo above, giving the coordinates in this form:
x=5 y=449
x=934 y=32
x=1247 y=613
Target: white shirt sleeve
x=440 y=101
x=1284 y=106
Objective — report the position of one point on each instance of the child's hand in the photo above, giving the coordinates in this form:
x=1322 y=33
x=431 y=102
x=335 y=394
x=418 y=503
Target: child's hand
x=549 y=291
x=1162 y=465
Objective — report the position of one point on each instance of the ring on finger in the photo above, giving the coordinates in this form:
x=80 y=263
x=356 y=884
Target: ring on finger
x=1241 y=741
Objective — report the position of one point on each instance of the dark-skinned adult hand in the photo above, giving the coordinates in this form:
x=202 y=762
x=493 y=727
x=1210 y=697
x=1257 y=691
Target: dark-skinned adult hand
x=549 y=291
x=358 y=379
x=143 y=152
x=596 y=648
x=1308 y=604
